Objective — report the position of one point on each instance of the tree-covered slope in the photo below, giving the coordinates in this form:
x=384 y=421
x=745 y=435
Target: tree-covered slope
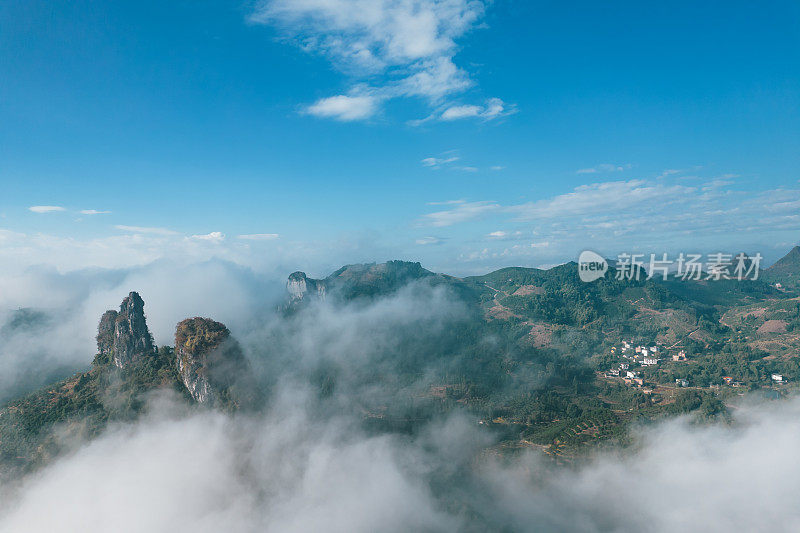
x=786 y=270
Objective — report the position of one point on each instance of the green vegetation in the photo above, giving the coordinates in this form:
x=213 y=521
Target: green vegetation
x=38 y=426
x=195 y=335
x=526 y=358
x=786 y=271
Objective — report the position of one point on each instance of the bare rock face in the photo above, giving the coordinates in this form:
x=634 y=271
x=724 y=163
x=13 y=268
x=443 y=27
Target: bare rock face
x=123 y=336
x=301 y=286
x=210 y=362
x=105 y=333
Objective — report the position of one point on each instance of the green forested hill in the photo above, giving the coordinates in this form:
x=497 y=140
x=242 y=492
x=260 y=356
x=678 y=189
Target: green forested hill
x=786 y=270
x=45 y=423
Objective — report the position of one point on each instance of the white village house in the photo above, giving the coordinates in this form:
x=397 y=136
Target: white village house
x=680 y=356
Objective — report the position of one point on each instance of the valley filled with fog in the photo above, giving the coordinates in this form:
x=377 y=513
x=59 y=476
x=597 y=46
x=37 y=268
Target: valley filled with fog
x=306 y=460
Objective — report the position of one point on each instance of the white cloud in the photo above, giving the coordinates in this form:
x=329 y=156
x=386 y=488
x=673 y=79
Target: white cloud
x=461 y=111
x=613 y=197
x=145 y=229
x=502 y=235
x=447 y=202
x=46 y=208
x=403 y=48
x=209 y=473
x=373 y=34
x=429 y=240
x=680 y=461
x=670 y=172
x=259 y=237
x=497 y=167
x=652 y=216
x=135 y=246
x=344 y=108
x=434 y=80
x=445 y=160
x=437 y=162
x=214 y=236
x=494 y=108
x=94 y=212
x=462 y=212
x=604 y=167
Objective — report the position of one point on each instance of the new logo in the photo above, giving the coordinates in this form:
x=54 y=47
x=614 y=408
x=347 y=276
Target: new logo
x=591 y=266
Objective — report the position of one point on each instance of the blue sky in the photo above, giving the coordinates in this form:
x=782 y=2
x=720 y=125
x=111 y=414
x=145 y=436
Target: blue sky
x=465 y=134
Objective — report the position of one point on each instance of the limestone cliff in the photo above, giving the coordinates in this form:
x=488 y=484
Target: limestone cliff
x=210 y=362
x=300 y=286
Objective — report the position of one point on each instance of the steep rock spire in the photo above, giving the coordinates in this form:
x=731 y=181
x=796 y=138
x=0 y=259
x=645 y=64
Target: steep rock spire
x=123 y=336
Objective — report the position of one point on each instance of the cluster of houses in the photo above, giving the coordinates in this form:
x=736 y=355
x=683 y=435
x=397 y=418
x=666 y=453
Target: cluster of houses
x=631 y=377
x=680 y=356
x=649 y=356
x=644 y=355
x=641 y=355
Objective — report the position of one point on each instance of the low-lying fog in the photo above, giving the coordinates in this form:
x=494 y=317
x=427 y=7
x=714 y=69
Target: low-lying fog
x=294 y=468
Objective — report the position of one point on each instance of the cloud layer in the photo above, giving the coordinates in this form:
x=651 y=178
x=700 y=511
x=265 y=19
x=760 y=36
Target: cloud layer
x=306 y=466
